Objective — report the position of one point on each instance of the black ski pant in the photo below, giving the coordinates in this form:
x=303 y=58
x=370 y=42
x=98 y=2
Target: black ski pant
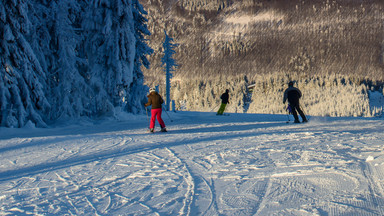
x=296 y=109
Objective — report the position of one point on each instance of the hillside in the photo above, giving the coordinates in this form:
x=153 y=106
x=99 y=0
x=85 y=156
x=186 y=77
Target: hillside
x=257 y=37
x=232 y=44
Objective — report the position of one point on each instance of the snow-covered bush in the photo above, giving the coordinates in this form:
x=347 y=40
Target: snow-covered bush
x=331 y=95
x=204 y=94
x=322 y=96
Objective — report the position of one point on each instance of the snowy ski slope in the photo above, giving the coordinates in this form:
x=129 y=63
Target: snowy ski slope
x=242 y=164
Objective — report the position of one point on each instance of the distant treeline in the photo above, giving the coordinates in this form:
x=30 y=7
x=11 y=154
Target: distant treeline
x=331 y=95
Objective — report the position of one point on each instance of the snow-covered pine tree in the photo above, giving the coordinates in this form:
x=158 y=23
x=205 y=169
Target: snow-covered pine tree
x=137 y=91
x=110 y=51
x=169 y=62
x=22 y=78
x=69 y=92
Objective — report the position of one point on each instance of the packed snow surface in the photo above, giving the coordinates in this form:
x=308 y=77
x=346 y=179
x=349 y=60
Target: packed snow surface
x=241 y=164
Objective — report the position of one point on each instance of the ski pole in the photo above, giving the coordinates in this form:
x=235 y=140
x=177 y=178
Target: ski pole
x=214 y=108
x=146 y=110
x=167 y=114
x=288 y=112
x=304 y=112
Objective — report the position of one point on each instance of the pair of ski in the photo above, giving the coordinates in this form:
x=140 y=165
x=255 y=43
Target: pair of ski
x=149 y=131
x=296 y=122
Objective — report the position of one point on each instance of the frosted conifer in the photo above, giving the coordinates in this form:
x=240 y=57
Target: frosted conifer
x=169 y=62
x=22 y=78
x=136 y=89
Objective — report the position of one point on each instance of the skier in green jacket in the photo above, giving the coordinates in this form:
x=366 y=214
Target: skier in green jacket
x=224 y=101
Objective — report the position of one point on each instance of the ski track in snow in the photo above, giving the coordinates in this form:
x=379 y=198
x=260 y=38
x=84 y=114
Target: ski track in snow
x=242 y=164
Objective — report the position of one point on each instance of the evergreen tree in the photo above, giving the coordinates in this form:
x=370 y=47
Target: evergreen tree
x=70 y=93
x=136 y=89
x=22 y=78
x=110 y=48
x=169 y=62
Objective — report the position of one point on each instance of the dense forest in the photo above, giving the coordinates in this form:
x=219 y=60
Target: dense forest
x=65 y=59
x=335 y=44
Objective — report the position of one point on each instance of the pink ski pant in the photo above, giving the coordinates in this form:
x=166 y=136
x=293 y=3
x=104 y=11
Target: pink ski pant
x=154 y=113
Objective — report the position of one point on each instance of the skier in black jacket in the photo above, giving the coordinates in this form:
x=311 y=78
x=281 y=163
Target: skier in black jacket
x=293 y=96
